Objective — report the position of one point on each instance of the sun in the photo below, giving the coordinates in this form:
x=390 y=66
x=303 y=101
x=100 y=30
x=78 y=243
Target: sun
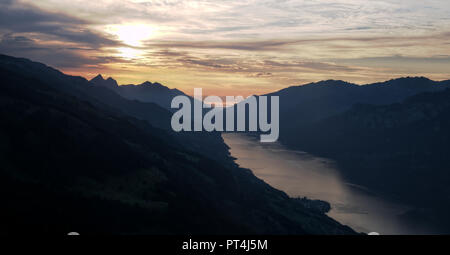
x=129 y=53
x=132 y=34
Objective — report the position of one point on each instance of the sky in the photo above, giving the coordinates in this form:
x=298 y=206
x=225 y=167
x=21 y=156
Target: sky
x=232 y=47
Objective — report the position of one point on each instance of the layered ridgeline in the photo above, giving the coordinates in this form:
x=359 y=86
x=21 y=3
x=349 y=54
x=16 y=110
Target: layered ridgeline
x=145 y=92
x=392 y=137
x=301 y=105
x=209 y=144
x=77 y=157
x=342 y=120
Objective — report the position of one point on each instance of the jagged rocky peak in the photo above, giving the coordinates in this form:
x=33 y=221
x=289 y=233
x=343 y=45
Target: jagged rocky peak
x=100 y=81
x=98 y=77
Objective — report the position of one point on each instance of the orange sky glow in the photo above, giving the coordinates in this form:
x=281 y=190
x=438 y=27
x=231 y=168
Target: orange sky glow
x=232 y=47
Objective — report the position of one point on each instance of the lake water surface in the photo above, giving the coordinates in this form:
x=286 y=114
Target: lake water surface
x=300 y=174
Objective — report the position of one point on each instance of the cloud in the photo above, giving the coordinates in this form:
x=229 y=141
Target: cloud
x=26 y=19
x=234 y=43
x=261 y=74
x=431 y=64
x=60 y=57
x=261 y=67
x=284 y=44
x=54 y=38
x=323 y=66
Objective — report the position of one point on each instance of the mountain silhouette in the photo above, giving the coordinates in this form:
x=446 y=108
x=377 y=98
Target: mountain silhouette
x=315 y=101
x=391 y=137
x=399 y=149
x=108 y=83
x=305 y=104
x=208 y=144
x=145 y=92
x=74 y=160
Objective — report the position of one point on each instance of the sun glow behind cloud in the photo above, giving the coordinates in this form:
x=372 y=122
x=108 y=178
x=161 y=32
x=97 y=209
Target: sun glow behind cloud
x=132 y=34
x=224 y=46
x=129 y=53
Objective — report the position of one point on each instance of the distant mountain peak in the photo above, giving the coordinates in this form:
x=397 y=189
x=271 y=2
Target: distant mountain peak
x=100 y=81
x=147 y=91
x=418 y=78
x=408 y=82
x=153 y=84
x=110 y=79
x=98 y=77
x=333 y=83
x=409 y=79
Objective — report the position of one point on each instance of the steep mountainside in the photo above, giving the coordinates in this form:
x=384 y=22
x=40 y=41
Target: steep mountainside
x=208 y=144
x=69 y=164
x=401 y=149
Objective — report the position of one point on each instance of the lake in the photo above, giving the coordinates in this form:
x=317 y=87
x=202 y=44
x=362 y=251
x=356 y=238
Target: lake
x=300 y=174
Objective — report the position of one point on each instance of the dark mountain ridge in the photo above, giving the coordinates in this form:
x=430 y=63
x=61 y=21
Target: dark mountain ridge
x=108 y=83
x=391 y=137
x=305 y=104
x=146 y=92
x=71 y=163
x=109 y=100
x=315 y=101
x=400 y=149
